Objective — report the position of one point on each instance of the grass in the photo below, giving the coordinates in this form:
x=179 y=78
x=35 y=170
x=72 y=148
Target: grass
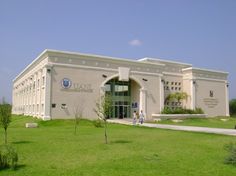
x=53 y=149
x=205 y=122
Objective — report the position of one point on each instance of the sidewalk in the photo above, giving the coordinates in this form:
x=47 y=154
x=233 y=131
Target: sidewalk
x=231 y=132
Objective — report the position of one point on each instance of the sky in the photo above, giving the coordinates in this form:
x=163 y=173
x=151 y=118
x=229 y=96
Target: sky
x=199 y=32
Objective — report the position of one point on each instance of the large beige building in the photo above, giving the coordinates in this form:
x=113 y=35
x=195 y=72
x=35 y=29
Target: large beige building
x=57 y=83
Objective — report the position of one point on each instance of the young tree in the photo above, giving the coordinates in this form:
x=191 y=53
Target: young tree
x=103 y=111
x=5 y=117
x=78 y=114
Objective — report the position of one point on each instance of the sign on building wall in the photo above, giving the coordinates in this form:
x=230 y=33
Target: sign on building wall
x=68 y=85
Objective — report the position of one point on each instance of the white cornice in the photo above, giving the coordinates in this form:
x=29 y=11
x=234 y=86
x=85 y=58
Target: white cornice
x=100 y=68
x=146 y=73
x=83 y=66
x=30 y=65
x=105 y=58
x=204 y=70
x=206 y=79
x=173 y=74
x=147 y=59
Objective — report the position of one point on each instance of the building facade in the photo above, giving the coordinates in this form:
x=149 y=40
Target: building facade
x=58 y=83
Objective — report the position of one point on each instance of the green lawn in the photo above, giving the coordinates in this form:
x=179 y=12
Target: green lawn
x=53 y=149
x=205 y=122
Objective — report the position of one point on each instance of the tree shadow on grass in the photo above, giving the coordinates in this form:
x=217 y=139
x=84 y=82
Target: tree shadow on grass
x=22 y=142
x=120 y=142
x=20 y=166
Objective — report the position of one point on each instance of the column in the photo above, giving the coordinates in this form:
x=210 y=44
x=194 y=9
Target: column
x=143 y=100
x=227 y=99
x=162 y=97
x=193 y=94
x=47 y=94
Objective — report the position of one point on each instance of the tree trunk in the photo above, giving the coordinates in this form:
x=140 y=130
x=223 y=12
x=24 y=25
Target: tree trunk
x=75 y=128
x=105 y=131
x=5 y=135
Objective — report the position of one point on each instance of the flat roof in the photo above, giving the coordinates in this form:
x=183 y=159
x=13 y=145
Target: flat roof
x=203 y=69
x=165 y=61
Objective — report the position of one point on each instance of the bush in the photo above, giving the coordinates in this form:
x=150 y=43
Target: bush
x=180 y=110
x=231 y=158
x=8 y=157
x=232 y=107
x=98 y=123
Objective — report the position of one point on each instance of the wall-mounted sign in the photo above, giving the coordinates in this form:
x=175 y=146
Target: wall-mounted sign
x=67 y=85
x=210 y=102
x=83 y=87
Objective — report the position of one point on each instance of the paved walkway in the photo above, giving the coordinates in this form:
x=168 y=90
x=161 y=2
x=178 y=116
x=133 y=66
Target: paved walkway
x=231 y=132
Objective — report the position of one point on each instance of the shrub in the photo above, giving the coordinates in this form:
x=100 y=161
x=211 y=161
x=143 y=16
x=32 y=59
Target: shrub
x=98 y=123
x=180 y=110
x=8 y=157
x=199 y=111
x=232 y=107
x=231 y=158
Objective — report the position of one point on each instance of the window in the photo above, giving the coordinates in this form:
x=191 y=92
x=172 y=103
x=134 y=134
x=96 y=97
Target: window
x=63 y=106
x=179 y=88
x=172 y=83
x=172 y=88
x=53 y=105
x=175 y=83
x=107 y=87
x=167 y=82
x=211 y=93
x=121 y=90
x=179 y=83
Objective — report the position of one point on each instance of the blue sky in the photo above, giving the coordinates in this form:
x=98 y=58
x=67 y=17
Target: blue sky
x=199 y=32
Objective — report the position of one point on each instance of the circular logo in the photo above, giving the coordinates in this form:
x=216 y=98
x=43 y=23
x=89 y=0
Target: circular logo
x=66 y=83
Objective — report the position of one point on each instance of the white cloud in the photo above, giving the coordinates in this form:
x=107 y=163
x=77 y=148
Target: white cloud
x=135 y=42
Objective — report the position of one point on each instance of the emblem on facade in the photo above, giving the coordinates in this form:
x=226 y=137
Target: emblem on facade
x=66 y=83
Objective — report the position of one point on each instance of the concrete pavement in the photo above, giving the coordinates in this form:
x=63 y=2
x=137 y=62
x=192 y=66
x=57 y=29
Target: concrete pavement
x=231 y=132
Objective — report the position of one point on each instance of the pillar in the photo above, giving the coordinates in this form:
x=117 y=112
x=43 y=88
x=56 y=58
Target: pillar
x=47 y=95
x=227 y=99
x=193 y=94
x=143 y=100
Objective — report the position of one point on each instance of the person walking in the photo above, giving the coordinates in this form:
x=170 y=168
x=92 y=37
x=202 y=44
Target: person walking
x=134 y=118
x=141 y=117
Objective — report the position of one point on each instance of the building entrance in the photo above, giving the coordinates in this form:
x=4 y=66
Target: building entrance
x=120 y=92
x=122 y=109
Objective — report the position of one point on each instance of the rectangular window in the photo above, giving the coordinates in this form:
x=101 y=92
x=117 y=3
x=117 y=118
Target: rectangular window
x=63 y=106
x=121 y=90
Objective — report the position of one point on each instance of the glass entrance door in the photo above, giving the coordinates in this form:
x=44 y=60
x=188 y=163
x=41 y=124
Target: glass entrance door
x=122 y=109
x=120 y=93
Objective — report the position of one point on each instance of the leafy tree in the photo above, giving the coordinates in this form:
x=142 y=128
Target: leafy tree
x=103 y=111
x=5 y=117
x=232 y=107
